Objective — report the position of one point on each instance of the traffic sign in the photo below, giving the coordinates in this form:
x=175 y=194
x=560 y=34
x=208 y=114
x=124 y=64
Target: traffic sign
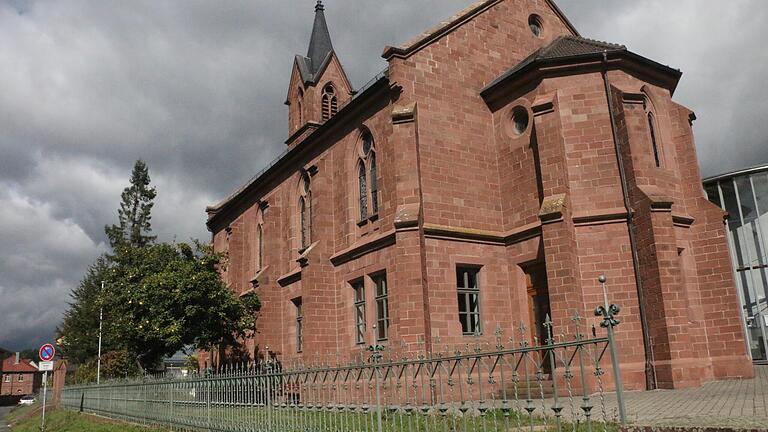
x=46 y=352
x=45 y=366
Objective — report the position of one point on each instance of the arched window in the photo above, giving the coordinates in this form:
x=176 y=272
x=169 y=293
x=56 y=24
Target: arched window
x=652 y=129
x=260 y=252
x=368 y=190
x=363 y=189
x=374 y=185
x=303 y=217
x=305 y=212
x=300 y=107
x=330 y=104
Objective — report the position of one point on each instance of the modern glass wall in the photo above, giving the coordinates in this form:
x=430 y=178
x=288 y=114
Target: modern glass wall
x=744 y=195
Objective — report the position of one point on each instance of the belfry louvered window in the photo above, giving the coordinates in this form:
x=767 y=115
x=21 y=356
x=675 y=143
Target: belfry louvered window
x=330 y=104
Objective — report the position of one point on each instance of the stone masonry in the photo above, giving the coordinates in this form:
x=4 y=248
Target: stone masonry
x=506 y=145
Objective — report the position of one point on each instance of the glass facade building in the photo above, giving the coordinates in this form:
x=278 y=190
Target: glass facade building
x=744 y=195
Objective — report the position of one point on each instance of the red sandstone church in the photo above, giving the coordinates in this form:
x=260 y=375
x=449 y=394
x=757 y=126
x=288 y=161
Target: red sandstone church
x=486 y=178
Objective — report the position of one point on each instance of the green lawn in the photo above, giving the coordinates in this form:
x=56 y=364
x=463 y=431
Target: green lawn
x=68 y=421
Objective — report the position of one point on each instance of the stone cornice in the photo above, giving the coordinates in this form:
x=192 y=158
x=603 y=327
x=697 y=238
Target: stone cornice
x=363 y=247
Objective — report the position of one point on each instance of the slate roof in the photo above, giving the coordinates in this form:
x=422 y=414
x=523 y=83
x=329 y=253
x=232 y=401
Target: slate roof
x=564 y=47
x=320 y=47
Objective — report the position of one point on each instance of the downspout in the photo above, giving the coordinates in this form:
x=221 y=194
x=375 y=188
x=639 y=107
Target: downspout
x=650 y=370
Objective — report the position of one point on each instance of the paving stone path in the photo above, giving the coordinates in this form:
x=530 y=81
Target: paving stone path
x=733 y=403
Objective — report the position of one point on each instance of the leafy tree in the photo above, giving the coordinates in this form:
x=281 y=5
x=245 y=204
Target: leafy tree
x=80 y=328
x=164 y=297
x=158 y=297
x=133 y=228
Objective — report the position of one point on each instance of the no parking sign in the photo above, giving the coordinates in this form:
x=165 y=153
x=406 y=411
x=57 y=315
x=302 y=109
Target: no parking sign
x=47 y=352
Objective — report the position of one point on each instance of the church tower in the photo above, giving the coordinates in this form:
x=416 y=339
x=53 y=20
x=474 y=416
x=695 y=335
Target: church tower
x=319 y=87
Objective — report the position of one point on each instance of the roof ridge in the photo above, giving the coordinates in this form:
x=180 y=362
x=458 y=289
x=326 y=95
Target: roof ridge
x=596 y=42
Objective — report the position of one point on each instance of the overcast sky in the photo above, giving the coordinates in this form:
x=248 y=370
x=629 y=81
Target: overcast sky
x=196 y=89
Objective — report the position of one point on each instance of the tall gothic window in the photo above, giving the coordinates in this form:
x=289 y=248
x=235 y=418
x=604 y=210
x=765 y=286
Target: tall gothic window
x=652 y=129
x=363 y=189
x=260 y=253
x=305 y=212
x=368 y=191
x=301 y=107
x=330 y=103
x=374 y=185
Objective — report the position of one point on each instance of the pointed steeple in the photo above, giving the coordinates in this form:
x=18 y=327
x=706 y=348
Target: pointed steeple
x=320 y=45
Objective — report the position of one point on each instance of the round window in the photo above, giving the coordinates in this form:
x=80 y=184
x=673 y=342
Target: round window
x=520 y=120
x=534 y=22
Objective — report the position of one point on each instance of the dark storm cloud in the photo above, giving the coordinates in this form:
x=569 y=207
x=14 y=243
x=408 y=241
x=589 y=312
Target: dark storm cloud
x=196 y=89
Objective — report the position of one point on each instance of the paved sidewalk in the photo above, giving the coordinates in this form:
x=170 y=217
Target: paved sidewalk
x=733 y=403
x=3 y=412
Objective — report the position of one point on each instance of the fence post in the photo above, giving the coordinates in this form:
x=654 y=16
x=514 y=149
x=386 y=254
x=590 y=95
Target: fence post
x=608 y=312
x=376 y=357
x=208 y=401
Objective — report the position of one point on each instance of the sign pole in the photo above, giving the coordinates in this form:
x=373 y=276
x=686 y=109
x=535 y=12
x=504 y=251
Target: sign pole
x=46 y=354
x=45 y=394
x=98 y=358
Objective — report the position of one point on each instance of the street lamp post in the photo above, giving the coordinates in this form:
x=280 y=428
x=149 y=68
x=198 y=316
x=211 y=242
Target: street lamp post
x=98 y=361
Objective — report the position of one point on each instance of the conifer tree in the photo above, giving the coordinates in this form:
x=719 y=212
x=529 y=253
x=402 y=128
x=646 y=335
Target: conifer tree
x=134 y=227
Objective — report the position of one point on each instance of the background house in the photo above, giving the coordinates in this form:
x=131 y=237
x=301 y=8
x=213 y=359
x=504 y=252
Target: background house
x=19 y=376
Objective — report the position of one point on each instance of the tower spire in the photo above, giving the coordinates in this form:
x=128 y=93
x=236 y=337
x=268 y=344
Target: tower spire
x=320 y=43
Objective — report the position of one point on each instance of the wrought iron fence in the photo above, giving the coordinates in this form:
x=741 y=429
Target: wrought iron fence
x=558 y=384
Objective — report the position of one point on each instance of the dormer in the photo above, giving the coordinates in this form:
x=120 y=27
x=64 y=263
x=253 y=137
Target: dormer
x=319 y=87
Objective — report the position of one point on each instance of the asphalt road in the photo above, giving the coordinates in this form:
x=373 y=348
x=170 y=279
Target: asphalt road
x=3 y=425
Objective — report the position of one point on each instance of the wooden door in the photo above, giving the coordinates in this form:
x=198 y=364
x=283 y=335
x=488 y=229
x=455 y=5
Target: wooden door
x=538 y=301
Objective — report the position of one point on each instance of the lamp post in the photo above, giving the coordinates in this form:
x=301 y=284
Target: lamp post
x=98 y=361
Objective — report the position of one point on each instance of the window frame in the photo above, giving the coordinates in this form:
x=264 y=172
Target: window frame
x=358 y=292
x=653 y=130
x=467 y=292
x=20 y=378
x=381 y=297
x=299 y=310
x=304 y=212
x=367 y=178
x=362 y=186
x=260 y=246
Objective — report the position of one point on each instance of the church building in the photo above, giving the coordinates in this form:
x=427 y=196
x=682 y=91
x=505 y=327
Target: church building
x=486 y=178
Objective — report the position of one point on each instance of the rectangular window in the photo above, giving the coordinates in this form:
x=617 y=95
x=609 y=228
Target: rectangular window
x=20 y=378
x=299 y=324
x=7 y=378
x=359 y=289
x=382 y=307
x=469 y=300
